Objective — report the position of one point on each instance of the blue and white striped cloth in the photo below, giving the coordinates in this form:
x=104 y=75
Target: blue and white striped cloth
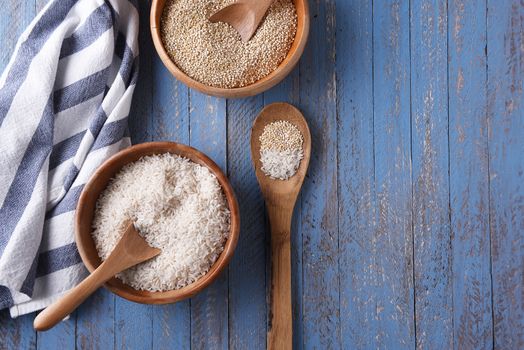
x=64 y=102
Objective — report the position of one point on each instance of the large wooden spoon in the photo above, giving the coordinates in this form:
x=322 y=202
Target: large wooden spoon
x=244 y=15
x=130 y=250
x=280 y=197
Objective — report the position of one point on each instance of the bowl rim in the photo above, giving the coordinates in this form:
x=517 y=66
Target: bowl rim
x=90 y=194
x=257 y=87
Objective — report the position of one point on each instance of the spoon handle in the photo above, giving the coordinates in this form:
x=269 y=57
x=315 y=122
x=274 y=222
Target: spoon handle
x=57 y=311
x=281 y=323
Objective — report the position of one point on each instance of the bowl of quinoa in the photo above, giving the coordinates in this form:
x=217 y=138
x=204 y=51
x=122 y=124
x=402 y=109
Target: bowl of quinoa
x=212 y=58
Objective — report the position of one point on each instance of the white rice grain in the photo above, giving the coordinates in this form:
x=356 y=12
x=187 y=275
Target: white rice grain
x=177 y=206
x=280 y=164
x=281 y=149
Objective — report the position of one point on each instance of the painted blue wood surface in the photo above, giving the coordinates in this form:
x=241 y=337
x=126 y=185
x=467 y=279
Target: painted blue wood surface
x=60 y=337
x=393 y=235
x=505 y=82
x=318 y=217
x=468 y=171
x=356 y=175
x=247 y=270
x=17 y=333
x=430 y=180
x=409 y=232
x=95 y=326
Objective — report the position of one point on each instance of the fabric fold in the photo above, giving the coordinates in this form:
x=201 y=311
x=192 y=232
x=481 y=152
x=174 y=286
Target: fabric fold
x=64 y=100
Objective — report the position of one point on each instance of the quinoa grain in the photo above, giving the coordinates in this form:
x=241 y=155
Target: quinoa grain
x=281 y=135
x=214 y=54
x=281 y=149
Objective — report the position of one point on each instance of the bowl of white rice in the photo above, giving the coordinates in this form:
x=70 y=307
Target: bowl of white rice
x=180 y=202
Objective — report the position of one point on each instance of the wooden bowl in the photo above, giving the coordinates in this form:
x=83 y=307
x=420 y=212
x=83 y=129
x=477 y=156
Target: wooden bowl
x=98 y=182
x=285 y=67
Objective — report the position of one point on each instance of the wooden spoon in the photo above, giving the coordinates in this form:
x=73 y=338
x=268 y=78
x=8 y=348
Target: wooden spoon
x=280 y=197
x=130 y=250
x=244 y=15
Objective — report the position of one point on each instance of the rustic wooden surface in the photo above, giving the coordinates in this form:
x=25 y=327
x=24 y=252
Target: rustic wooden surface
x=409 y=232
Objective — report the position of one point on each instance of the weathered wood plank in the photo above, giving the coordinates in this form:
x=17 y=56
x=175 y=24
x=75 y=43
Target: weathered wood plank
x=171 y=326
x=17 y=333
x=431 y=220
x=356 y=190
x=288 y=91
x=209 y=309
x=95 y=322
x=319 y=216
x=393 y=236
x=61 y=336
x=247 y=287
x=469 y=196
x=133 y=325
x=170 y=120
x=505 y=47
x=14 y=18
x=169 y=104
x=374 y=189
x=140 y=120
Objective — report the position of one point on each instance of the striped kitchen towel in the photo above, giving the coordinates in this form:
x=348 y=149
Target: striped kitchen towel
x=64 y=102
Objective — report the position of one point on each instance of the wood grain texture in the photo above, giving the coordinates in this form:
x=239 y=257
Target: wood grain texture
x=17 y=333
x=505 y=48
x=171 y=326
x=378 y=197
x=247 y=286
x=62 y=336
x=280 y=315
x=140 y=120
x=133 y=325
x=319 y=216
x=468 y=171
x=96 y=322
x=280 y=198
x=170 y=116
x=356 y=187
x=209 y=309
x=393 y=236
x=289 y=91
x=429 y=156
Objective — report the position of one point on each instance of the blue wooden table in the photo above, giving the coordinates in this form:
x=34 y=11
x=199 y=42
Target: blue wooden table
x=409 y=232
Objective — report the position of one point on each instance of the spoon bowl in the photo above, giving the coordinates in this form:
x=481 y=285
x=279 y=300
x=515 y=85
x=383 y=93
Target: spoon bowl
x=274 y=190
x=280 y=197
x=245 y=16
